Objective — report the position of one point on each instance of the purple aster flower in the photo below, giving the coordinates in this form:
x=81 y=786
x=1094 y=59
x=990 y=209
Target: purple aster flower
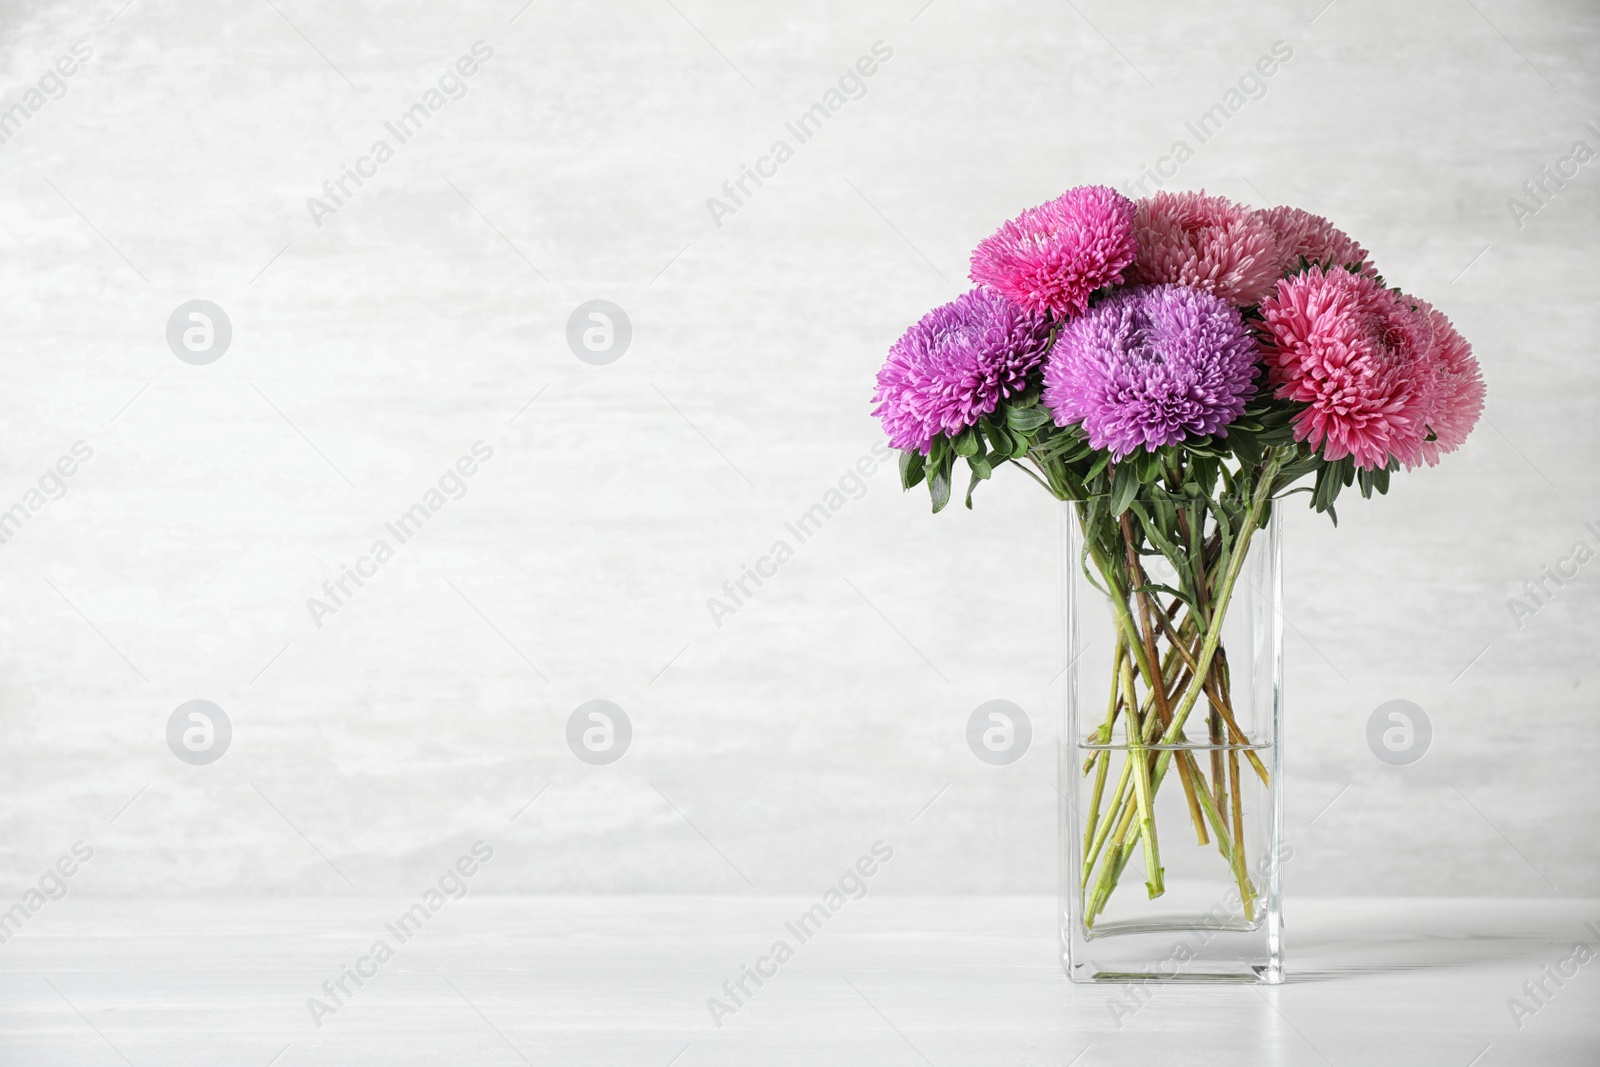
x=1051 y=257
x=951 y=368
x=1151 y=366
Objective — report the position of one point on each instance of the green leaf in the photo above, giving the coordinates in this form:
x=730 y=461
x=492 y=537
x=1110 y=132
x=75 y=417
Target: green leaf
x=911 y=469
x=973 y=484
x=981 y=467
x=1364 y=478
x=1331 y=478
x=1156 y=530
x=967 y=443
x=1245 y=446
x=1148 y=467
x=1124 y=485
x=1293 y=472
x=999 y=441
x=1320 y=490
x=939 y=486
x=1026 y=420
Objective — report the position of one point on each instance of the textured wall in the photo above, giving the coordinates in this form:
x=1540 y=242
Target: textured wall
x=374 y=344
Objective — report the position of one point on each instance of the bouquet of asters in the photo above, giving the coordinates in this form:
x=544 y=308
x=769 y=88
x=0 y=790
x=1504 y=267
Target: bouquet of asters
x=1173 y=367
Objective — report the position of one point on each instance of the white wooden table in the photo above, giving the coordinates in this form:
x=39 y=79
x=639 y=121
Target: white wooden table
x=888 y=980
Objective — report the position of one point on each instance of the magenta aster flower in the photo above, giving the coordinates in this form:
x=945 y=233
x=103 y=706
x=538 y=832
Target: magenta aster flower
x=955 y=365
x=1458 y=398
x=1151 y=366
x=1051 y=257
x=1360 y=357
x=1302 y=234
x=1207 y=242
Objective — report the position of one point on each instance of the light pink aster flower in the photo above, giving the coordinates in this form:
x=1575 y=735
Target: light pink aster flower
x=1361 y=358
x=1302 y=234
x=1051 y=257
x=1458 y=398
x=1207 y=242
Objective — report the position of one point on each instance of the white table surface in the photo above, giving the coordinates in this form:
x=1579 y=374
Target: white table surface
x=889 y=980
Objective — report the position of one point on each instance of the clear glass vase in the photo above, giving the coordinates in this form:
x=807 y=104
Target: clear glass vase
x=1171 y=832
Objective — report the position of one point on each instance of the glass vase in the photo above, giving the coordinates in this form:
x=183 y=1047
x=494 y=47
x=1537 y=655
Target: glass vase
x=1171 y=813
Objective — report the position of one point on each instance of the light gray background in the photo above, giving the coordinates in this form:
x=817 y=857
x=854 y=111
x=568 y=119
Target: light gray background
x=370 y=353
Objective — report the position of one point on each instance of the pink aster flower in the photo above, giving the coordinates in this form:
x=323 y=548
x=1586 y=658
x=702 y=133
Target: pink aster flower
x=1458 y=399
x=953 y=367
x=1302 y=234
x=1207 y=242
x=1051 y=257
x=1360 y=357
x=1151 y=366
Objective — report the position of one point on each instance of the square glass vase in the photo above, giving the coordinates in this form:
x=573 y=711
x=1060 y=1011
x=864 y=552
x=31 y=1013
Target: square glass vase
x=1200 y=798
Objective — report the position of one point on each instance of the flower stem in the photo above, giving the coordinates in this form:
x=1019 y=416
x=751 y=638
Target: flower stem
x=1246 y=890
x=1141 y=582
x=1219 y=702
x=1102 y=734
x=1235 y=564
x=1103 y=757
x=1154 y=882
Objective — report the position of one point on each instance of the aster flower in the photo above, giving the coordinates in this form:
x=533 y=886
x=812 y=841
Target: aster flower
x=1151 y=366
x=955 y=365
x=1360 y=357
x=1207 y=242
x=1300 y=234
x=1458 y=398
x=1051 y=257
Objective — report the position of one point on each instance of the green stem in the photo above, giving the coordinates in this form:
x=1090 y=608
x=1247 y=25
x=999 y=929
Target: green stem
x=1143 y=793
x=1247 y=894
x=1034 y=476
x=1103 y=757
x=1119 y=798
x=1224 y=594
